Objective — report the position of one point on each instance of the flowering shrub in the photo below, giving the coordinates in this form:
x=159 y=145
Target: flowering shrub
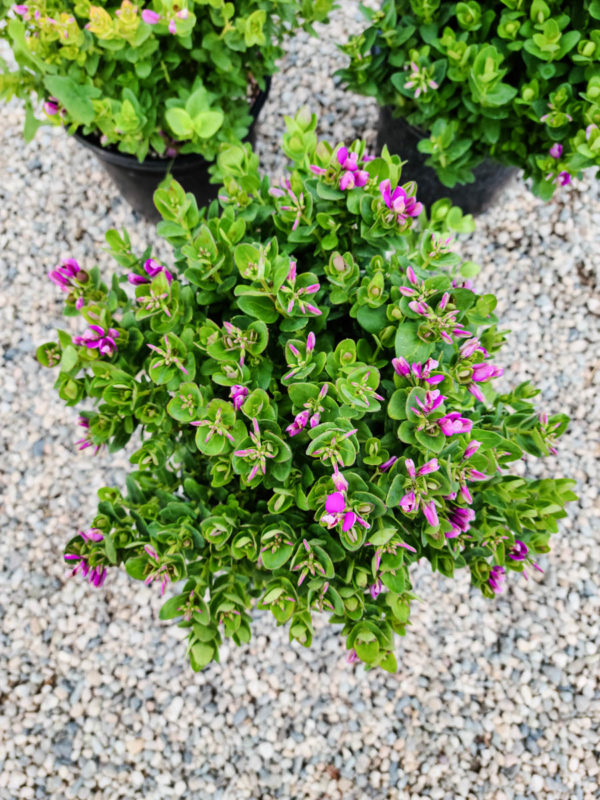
x=170 y=77
x=312 y=380
x=517 y=81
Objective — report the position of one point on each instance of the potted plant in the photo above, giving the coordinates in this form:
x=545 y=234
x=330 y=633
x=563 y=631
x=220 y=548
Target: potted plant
x=149 y=89
x=472 y=90
x=313 y=383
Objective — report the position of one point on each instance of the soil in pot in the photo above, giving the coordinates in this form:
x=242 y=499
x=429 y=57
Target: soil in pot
x=402 y=139
x=137 y=181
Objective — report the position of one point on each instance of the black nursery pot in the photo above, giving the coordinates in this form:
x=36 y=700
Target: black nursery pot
x=137 y=181
x=402 y=139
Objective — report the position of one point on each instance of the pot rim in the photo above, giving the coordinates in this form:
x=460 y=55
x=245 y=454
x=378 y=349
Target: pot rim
x=187 y=160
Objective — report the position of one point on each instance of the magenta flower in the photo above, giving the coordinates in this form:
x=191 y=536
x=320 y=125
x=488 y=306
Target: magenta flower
x=68 y=275
x=95 y=575
x=340 y=483
x=471 y=448
x=417 y=370
x=429 y=467
x=399 y=202
x=152 y=268
x=497 y=578
x=96 y=338
x=460 y=519
x=430 y=513
x=299 y=423
x=317 y=170
x=86 y=441
x=564 y=178
x=347 y=160
x=20 y=9
x=401 y=367
x=433 y=399
x=335 y=503
x=238 y=394
x=453 y=423
x=556 y=150
x=471 y=346
x=91 y=535
x=158 y=571
x=51 y=107
x=409 y=503
x=519 y=551
x=150 y=17
x=388 y=464
x=336 y=509
x=376 y=589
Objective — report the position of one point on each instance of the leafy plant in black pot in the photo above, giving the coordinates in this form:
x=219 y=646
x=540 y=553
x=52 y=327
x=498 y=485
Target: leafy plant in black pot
x=149 y=90
x=472 y=91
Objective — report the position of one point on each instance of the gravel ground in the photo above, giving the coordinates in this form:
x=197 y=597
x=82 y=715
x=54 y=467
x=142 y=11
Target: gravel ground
x=495 y=700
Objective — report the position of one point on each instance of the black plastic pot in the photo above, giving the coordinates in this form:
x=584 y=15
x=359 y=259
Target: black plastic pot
x=137 y=181
x=402 y=139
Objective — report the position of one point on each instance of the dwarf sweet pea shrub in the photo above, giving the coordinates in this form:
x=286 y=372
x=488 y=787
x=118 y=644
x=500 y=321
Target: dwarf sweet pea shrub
x=166 y=78
x=312 y=379
x=513 y=80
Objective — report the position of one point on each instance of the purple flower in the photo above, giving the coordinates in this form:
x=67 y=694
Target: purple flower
x=51 y=106
x=338 y=480
x=460 y=519
x=453 y=423
x=564 y=178
x=347 y=160
x=430 y=513
x=91 y=535
x=238 y=394
x=96 y=338
x=152 y=268
x=388 y=464
x=485 y=372
x=401 y=366
x=433 y=399
x=399 y=202
x=556 y=150
x=68 y=275
x=471 y=448
x=471 y=346
x=408 y=503
x=299 y=423
x=86 y=441
x=347 y=181
x=496 y=579
x=335 y=503
x=429 y=467
x=317 y=170
x=519 y=551
x=376 y=589
x=20 y=9
x=361 y=178
x=95 y=575
x=150 y=17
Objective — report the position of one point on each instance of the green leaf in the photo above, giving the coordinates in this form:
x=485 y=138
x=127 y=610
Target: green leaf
x=207 y=123
x=75 y=97
x=408 y=344
x=258 y=307
x=180 y=122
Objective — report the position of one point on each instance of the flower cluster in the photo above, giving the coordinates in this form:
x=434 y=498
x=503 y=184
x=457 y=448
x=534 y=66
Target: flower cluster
x=317 y=408
x=168 y=78
x=515 y=82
